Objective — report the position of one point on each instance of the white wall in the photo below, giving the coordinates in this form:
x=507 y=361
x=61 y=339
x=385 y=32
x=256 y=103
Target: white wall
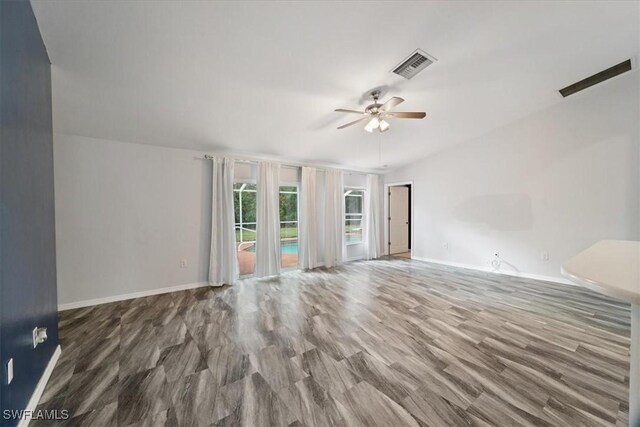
x=556 y=181
x=126 y=214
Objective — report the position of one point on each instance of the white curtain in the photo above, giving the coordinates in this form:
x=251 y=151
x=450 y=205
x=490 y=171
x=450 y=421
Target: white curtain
x=223 y=263
x=372 y=225
x=333 y=218
x=268 y=220
x=308 y=220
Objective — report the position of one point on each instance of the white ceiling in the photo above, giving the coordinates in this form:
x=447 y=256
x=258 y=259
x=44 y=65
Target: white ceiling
x=263 y=78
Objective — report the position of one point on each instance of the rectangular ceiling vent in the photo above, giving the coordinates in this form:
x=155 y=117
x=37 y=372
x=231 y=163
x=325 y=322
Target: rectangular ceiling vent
x=415 y=63
x=607 y=74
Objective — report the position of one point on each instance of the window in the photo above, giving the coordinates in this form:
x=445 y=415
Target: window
x=353 y=202
x=244 y=204
x=289 y=226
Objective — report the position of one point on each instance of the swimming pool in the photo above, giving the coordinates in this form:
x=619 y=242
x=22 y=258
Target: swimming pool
x=286 y=248
x=289 y=248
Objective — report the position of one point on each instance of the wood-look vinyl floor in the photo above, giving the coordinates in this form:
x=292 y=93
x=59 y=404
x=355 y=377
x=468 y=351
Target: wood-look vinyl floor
x=382 y=343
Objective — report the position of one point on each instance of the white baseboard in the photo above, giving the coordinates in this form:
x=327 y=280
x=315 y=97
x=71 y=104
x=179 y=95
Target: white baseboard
x=553 y=279
x=122 y=297
x=42 y=383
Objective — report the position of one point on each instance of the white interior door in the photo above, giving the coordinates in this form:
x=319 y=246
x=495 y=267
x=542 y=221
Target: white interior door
x=399 y=220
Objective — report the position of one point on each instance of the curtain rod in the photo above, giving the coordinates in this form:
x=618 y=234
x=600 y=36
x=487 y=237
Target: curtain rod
x=208 y=157
x=287 y=165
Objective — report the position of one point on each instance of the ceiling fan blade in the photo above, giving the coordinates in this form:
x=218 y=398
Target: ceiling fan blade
x=354 y=122
x=406 y=115
x=391 y=103
x=342 y=110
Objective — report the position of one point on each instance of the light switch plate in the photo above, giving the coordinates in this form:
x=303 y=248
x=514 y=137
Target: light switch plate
x=10 y=371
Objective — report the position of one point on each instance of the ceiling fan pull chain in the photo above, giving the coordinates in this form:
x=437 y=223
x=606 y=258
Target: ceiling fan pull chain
x=380 y=148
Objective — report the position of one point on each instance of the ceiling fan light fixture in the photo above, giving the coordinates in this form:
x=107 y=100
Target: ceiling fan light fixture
x=373 y=124
x=375 y=114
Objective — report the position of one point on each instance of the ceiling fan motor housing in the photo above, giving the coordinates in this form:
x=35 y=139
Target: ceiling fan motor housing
x=373 y=109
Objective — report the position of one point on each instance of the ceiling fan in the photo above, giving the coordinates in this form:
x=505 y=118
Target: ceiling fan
x=376 y=113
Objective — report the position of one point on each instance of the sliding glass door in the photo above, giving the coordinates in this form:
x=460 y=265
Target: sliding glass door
x=289 y=226
x=353 y=204
x=244 y=203
x=245 y=226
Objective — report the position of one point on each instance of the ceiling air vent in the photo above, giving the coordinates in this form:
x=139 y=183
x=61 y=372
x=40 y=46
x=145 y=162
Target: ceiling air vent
x=415 y=63
x=616 y=70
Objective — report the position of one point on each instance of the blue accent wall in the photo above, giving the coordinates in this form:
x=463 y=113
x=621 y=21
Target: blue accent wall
x=27 y=224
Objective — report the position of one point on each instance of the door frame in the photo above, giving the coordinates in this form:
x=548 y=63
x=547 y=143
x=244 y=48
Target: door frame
x=386 y=214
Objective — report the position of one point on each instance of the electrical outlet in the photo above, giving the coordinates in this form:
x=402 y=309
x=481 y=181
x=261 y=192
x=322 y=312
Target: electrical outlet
x=10 y=371
x=545 y=256
x=496 y=261
x=183 y=263
x=446 y=246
